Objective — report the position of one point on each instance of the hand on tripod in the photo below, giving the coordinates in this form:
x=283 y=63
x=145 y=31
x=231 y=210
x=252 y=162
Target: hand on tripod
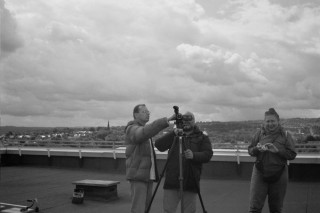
x=178 y=131
x=188 y=154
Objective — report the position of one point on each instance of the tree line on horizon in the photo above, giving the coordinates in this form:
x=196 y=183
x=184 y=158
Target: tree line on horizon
x=219 y=132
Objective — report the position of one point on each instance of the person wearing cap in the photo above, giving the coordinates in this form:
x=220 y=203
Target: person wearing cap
x=272 y=147
x=141 y=168
x=197 y=150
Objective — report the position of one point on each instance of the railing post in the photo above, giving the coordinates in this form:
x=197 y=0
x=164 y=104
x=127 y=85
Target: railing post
x=114 y=150
x=80 y=155
x=238 y=153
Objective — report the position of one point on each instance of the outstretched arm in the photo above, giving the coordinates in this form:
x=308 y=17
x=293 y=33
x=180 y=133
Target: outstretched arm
x=165 y=142
x=139 y=134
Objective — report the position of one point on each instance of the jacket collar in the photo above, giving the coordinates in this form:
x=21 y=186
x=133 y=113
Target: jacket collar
x=134 y=122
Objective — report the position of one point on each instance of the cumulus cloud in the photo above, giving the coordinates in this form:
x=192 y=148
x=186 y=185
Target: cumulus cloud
x=9 y=37
x=79 y=63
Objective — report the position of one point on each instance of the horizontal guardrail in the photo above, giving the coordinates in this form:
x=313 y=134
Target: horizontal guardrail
x=65 y=144
x=116 y=149
x=309 y=147
x=63 y=148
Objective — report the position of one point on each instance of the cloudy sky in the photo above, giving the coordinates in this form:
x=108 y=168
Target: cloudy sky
x=84 y=62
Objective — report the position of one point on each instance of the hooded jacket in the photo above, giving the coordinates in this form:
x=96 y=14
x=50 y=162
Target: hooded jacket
x=199 y=143
x=138 y=150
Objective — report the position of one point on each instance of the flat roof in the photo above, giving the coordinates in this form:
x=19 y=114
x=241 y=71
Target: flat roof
x=54 y=189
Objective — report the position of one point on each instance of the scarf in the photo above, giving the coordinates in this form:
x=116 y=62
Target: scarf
x=269 y=136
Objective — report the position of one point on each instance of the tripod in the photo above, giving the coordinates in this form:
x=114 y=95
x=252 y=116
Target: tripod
x=180 y=139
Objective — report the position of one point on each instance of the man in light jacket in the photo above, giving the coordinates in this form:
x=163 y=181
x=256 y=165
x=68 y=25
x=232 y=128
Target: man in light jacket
x=141 y=168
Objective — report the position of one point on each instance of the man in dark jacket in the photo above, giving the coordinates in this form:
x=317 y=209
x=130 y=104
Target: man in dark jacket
x=197 y=150
x=141 y=168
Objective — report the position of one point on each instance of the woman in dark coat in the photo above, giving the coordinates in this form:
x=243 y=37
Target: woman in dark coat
x=273 y=147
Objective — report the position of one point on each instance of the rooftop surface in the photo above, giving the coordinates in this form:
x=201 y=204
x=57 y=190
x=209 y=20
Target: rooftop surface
x=54 y=189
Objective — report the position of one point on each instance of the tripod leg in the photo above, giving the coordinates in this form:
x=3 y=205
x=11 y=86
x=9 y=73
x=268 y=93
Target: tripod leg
x=161 y=176
x=181 y=173
x=201 y=201
x=198 y=189
x=153 y=195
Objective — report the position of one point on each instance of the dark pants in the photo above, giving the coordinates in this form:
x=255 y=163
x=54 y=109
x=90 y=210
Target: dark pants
x=259 y=190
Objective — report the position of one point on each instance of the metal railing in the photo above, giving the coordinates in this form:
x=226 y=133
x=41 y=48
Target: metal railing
x=65 y=144
x=309 y=147
x=307 y=152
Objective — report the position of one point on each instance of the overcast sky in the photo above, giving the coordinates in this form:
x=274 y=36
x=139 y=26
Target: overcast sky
x=84 y=62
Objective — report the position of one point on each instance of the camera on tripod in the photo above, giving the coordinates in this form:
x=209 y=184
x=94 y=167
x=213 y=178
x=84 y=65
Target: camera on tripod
x=181 y=119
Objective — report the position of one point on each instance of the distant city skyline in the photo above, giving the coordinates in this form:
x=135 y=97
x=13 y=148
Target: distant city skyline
x=82 y=63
